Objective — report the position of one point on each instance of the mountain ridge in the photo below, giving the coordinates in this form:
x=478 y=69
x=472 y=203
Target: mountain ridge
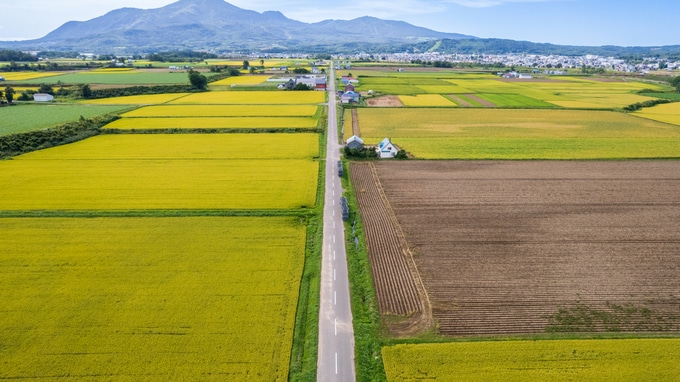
x=218 y=25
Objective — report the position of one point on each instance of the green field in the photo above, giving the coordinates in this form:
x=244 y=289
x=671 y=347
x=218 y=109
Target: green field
x=149 y=299
x=519 y=134
x=133 y=77
x=546 y=360
x=151 y=123
x=23 y=118
x=89 y=175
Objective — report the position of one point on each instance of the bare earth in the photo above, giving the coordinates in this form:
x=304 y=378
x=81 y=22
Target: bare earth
x=528 y=247
x=483 y=102
x=384 y=101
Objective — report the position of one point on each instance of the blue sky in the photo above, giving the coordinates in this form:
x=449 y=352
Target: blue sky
x=569 y=22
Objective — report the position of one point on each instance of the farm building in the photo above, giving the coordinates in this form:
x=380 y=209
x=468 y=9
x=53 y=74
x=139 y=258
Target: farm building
x=348 y=80
x=42 y=97
x=350 y=97
x=321 y=83
x=386 y=149
x=354 y=142
x=349 y=87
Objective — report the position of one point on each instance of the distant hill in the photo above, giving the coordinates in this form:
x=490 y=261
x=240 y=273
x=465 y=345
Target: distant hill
x=219 y=26
x=502 y=46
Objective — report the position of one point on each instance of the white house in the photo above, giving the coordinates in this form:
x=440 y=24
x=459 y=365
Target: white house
x=386 y=149
x=42 y=97
x=354 y=142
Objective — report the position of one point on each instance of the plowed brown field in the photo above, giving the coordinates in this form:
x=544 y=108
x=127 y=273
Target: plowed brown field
x=528 y=247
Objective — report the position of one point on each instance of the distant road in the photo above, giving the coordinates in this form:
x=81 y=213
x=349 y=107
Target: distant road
x=336 y=334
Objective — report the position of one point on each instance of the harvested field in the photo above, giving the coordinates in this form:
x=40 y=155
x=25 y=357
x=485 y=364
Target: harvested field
x=397 y=285
x=481 y=101
x=530 y=247
x=384 y=101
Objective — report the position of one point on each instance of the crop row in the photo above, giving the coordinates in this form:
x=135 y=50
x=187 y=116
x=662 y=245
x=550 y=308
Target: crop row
x=394 y=283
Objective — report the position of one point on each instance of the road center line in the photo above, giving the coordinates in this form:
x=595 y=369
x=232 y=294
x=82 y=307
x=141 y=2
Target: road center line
x=333 y=274
x=335 y=297
x=336 y=362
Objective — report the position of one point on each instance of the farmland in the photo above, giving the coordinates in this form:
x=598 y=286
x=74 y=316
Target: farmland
x=15 y=119
x=469 y=133
x=148 y=99
x=532 y=247
x=253 y=98
x=668 y=113
x=149 y=298
x=151 y=123
x=125 y=77
x=49 y=180
x=544 y=92
x=562 y=360
x=225 y=111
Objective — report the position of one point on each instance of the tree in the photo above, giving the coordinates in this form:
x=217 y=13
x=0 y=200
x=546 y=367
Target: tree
x=198 y=80
x=85 y=91
x=246 y=64
x=0 y=95
x=9 y=94
x=262 y=63
x=44 y=88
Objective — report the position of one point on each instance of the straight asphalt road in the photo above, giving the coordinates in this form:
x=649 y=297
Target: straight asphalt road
x=336 y=334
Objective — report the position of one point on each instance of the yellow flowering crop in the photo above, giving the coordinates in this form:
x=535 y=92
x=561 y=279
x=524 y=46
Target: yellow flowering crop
x=214 y=123
x=225 y=111
x=254 y=98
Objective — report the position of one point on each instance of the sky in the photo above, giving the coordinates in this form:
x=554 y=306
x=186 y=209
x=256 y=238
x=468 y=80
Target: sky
x=565 y=22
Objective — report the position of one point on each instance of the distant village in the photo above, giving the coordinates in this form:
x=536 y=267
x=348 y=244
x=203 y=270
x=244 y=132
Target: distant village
x=555 y=62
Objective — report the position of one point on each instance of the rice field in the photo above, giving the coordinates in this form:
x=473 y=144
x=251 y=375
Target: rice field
x=139 y=299
x=545 y=360
x=547 y=92
x=667 y=113
x=253 y=98
x=147 y=99
x=152 y=123
x=24 y=76
x=426 y=100
x=49 y=180
x=130 y=77
x=241 y=80
x=225 y=111
x=519 y=134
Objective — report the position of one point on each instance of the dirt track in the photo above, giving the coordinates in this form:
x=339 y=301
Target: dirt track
x=525 y=247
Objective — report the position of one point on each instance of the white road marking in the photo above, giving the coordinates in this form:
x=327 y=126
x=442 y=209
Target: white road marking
x=334 y=202
x=336 y=326
x=335 y=297
x=333 y=239
x=336 y=363
x=333 y=274
x=333 y=254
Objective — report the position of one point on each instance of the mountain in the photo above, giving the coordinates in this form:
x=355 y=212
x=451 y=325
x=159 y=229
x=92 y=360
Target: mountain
x=219 y=26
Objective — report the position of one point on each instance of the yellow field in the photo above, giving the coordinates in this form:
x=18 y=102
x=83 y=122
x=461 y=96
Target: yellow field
x=48 y=179
x=214 y=123
x=140 y=299
x=668 y=113
x=254 y=98
x=149 y=99
x=241 y=80
x=225 y=111
x=561 y=360
x=425 y=100
x=21 y=76
x=185 y=146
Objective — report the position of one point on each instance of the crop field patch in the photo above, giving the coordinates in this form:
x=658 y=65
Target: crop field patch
x=513 y=100
x=152 y=123
x=241 y=80
x=134 y=77
x=253 y=98
x=184 y=146
x=668 y=113
x=23 y=76
x=149 y=298
x=541 y=246
x=426 y=100
x=147 y=99
x=225 y=111
x=560 y=360
x=24 y=118
x=473 y=133
x=50 y=179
